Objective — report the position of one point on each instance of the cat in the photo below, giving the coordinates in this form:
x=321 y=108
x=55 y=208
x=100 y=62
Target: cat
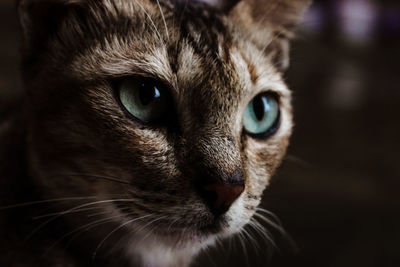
x=148 y=129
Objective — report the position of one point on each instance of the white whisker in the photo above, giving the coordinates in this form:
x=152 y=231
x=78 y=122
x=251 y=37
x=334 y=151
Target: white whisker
x=58 y=215
x=44 y=202
x=107 y=178
x=298 y=161
x=85 y=227
x=151 y=20
x=206 y=252
x=116 y=229
x=251 y=239
x=162 y=15
x=267 y=236
x=151 y=230
x=276 y=225
x=243 y=244
x=63 y=213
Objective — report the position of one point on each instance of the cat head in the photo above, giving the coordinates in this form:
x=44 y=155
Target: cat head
x=173 y=115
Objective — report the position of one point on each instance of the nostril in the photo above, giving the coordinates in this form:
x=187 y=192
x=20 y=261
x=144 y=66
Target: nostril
x=209 y=196
x=220 y=196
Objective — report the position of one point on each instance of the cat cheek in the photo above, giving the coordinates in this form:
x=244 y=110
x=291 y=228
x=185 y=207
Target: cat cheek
x=264 y=159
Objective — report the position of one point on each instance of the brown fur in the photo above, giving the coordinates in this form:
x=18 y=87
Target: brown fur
x=77 y=142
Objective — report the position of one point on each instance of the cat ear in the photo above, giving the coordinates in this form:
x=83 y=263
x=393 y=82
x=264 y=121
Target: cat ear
x=224 y=5
x=285 y=12
x=39 y=17
x=280 y=16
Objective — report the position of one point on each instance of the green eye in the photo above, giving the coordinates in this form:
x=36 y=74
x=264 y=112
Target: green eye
x=261 y=117
x=144 y=99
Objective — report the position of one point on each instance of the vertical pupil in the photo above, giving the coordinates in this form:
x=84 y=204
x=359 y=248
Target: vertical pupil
x=148 y=93
x=259 y=107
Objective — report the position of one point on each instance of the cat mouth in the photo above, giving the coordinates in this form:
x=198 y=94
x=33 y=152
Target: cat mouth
x=187 y=235
x=190 y=232
x=187 y=227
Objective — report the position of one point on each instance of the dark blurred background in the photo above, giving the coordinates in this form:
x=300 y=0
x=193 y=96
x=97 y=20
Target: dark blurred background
x=338 y=191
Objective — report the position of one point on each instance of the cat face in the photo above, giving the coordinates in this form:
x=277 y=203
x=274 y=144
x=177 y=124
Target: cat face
x=172 y=115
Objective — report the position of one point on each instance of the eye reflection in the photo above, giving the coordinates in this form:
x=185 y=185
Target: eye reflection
x=143 y=98
x=261 y=116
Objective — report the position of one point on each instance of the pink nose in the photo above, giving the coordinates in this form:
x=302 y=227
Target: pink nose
x=220 y=196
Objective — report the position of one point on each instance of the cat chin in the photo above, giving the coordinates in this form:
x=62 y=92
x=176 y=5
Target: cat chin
x=163 y=251
x=177 y=247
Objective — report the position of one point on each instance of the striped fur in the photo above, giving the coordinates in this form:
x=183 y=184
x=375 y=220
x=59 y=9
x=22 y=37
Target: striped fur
x=214 y=58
